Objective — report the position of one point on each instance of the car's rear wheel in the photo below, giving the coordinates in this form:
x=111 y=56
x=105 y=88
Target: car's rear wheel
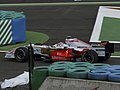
x=21 y=54
x=89 y=56
x=106 y=57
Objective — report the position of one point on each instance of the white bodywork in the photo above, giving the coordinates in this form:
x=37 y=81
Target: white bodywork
x=74 y=43
x=80 y=45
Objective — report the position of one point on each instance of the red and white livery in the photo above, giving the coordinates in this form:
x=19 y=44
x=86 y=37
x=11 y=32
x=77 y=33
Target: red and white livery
x=71 y=49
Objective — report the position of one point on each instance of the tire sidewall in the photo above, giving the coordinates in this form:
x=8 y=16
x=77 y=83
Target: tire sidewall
x=106 y=57
x=21 y=54
x=90 y=54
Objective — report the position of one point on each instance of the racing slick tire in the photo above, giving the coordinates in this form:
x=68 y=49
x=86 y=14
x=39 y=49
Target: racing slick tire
x=21 y=54
x=61 y=63
x=107 y=56
x=89 y=56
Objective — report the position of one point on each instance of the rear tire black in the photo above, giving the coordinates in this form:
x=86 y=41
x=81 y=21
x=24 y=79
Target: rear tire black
x=107 y=56
x=90 y=56
x=21 y=54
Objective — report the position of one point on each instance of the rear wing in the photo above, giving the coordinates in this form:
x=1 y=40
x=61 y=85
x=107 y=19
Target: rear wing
x=109 y=47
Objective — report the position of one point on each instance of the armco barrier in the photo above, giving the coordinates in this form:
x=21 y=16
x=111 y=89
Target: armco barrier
x=58 y=83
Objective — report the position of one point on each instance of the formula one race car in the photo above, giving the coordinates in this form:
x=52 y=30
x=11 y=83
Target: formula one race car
x=72 y=49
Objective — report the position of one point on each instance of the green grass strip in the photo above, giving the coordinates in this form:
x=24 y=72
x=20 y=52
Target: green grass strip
x=60 y=4
x=110 y=30
x=32 y=37
x=116 y=54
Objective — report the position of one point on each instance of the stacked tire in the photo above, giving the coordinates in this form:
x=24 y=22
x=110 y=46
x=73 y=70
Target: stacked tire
x=59 y=69
x=77 y=70
x=107 y=73
x=98 y=73
x=85 y=70
x=115 y=73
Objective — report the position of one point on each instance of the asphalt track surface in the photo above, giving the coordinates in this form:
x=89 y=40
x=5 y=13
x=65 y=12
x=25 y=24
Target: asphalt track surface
x=57 y=22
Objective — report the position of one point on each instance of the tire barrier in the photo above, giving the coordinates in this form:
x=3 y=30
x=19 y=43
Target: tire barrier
x=88 y=66
x=57 y=71
x=114 y=66
x=79 y=70
x=114 y=70
x=111 y=68
x=114 y=77
x=40 y=68
x=91 y=67
x=79 y=73
x=39 y=75
x=61 y=62
x=81 y=63
x=59 y=65
x=100 y=65
x=98 y=75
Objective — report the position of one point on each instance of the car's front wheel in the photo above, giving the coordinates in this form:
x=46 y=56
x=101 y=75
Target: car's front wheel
x=21 y=54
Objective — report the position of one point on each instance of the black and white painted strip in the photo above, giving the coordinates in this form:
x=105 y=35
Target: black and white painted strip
x=5 y=31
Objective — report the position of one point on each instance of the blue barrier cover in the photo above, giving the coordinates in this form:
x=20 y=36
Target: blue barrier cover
x=19 y=30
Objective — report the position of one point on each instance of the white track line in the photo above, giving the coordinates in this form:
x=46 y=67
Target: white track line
x=60 y=4
x=3 y=51
x=115 y=56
